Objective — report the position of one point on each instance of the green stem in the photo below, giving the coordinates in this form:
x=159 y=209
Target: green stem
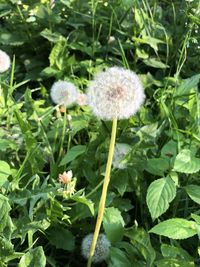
x=104 y=193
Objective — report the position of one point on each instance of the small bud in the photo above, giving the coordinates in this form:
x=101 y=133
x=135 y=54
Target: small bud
x=66 y=177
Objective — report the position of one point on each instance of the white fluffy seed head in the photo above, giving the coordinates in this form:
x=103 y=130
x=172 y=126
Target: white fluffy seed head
x=102 y=248
x=115 y=93
x=64 y=93
x=121 y=150
x=4 y=61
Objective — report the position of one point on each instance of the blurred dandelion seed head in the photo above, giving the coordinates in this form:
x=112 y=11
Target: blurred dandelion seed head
x=102 y=247
x=64 y=93
x=115 y=93
x=4 y=61
x=121 y=150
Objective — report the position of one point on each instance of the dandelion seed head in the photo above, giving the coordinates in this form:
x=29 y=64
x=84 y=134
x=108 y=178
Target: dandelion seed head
x=121 y=150
x=102 y=247
x=115 y=93
x=4 y=61
x=64 y=93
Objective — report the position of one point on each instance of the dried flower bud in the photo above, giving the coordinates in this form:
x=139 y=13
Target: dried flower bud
x=66 y=177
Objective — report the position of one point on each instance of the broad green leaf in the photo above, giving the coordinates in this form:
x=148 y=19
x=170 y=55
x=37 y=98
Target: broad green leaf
x=187 y=85
x=174 y=263
x=186 y=162
x=61 y=238
x=157 y=166
x=177 y=228
x=118 y=258
x=141 y=241
x=4 y=172
x=72 y=154
x=153 y=42
x=169 y=150
x=33 y=258
x=6 y=247
x=51 y=36
x=113 y=224
x=169 y=251
x=153 y=62
x=194 y=192
x=159 y=194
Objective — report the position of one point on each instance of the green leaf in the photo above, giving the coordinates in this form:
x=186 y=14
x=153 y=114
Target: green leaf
x=72 y=154
x=175 y=228
x=141 y=241
x=169 y=251
x=159 y=194
x=6 y=247
x=61 y=238
x=85 y=201
x=195 y=217
x=4 y=172
x=169 y=150
x=186 y=162
x=51 y=36
x=194 y=192
x=33 y=258
x=118 y=258
x=153 y=62
x=113 y=224
x=174 y=263
x=187 y=85
x=157 y=166
x=4 y=214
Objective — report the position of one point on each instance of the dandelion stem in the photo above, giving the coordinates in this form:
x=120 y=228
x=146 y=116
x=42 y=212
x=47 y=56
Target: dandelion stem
x=104 y=193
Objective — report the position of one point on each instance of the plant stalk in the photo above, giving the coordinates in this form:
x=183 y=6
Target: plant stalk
x=104 y=193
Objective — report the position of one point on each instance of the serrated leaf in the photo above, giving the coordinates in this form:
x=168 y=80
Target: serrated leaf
x=72 y=154
x=61 y=238
x=194 y=192
x=4 y=172
x=186 y=162
x=177 y=228
x=159 y=194
x=34 y=258
x=113 y=224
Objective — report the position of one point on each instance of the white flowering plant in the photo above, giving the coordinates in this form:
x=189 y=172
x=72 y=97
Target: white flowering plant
x=99 y=136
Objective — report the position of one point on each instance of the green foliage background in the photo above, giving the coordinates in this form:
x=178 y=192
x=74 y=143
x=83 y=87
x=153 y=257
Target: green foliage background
x=152 y=215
